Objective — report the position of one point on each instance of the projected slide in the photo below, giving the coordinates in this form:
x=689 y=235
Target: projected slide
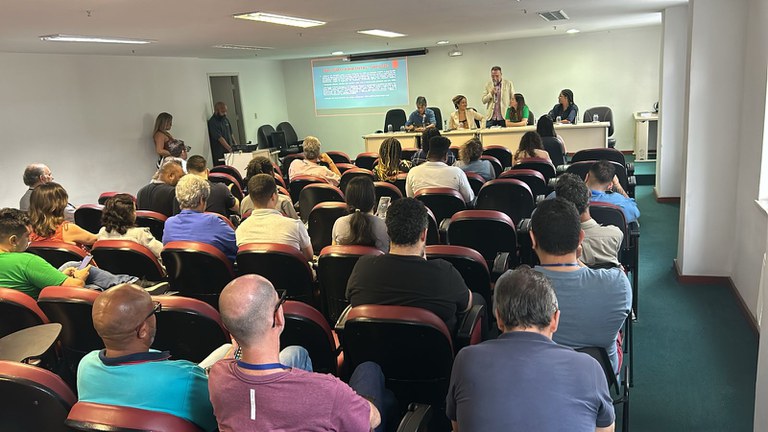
x=341 y=86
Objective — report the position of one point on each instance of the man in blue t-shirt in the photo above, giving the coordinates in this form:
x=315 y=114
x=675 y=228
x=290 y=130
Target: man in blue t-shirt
x=422 y=118
x=605 y=187
x=523 y=380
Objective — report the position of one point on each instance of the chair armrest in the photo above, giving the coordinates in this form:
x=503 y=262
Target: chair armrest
x=562 y=168
x=539 y=199
x=470 y=328
x=339 y=327
x=500 y=265
x=524 y=244
x=416 y=419
x=630 y=168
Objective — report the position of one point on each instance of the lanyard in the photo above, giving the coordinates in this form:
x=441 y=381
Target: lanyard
x=575 y=264
x=266 y=366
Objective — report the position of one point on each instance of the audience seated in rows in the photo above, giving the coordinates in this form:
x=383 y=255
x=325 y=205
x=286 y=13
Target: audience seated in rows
x=221 y=200
x=594 y=302
x=46 y=213
x=530 y=147
x=436 y=174
x=259 y=391
x=35 y=175
x=426 y=138
x=605 y=187
x=266 y=224
x=361 y=226
x=119 y=223
x=160 y=194
x=390 y=161
x=310 y=164
x=469 y=160
x=192 y=224
x=262 y=165
x=518 y=381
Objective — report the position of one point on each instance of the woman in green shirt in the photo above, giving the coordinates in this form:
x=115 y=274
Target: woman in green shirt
x=517 y=113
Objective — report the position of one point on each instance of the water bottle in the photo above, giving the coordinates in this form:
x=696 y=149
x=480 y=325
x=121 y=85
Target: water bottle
x=402 y=128
x=445 y=125
x=595 y=118
x=558 y=120
x=389 y=128
x=381 y=211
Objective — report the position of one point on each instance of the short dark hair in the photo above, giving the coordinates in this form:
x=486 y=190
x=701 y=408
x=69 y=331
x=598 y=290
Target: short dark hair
x=196 y=163
x=427 y=136
x=12 y=222
x=498 y=68
x=261 y=187
x=32 y=174
x=421 y=101
x=118 y=214
x=556 y=226
x=571 y=187
x=259 y=165
x=406 y=220
x=602 y=171
x=438 y=147
x=524 y=298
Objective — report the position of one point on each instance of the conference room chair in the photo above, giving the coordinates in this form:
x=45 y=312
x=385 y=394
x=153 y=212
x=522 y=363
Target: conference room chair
x=444 y=202
x=277 y=169
x=264 y=136
x=544 y=166
x=407 y=153
x=400 y=182
x=71 y=307
x=472 y=267
x=383 y=188
x=627 y=182
x=18 y=311
x=95 y=417
x=320 y=223
x=344 y=167
x=279 y=180
x=350 y=174
x=604 y=114
x=231 y=182
x=88 y=217
x=188 y=328
x=104 y=196
x=286 y=163
x=283 y=191
x=433 y=230
x=610 y=154
x=153 y=220
x=510 y=196
x=306 y=327
x=489 y=232
x=503 y=154
x=416 y=418
x=334 y=266
x=339 y=157
x=438 y=117
x=534 y=179
x=33 y=399
x=291 y=138
x=127 y=257
x=531 y=118
x=497 y=166
x=300 y=182
x=455 y=150
x=395 y=117
x=366 y=160
x=314 y=194
x=56 y=253
x=476 y=181
x=233 y=172
x=617 y=385
x=197 y=270
x=283 y=265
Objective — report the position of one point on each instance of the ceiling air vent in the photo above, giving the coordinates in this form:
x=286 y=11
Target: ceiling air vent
x=557 y=15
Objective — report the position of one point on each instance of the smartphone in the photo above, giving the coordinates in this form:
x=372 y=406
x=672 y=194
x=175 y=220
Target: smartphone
x=85 y=262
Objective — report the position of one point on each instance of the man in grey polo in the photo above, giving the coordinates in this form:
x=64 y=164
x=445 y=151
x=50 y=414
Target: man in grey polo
x=34 y=175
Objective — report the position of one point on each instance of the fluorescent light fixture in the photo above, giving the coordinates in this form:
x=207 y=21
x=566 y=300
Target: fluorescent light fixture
x=381 y=33
x=242 y=47
x=443 y=42
x=572 y=31
x=280 y=19
x=97 y=39
x=455 y=52
x=337 y=53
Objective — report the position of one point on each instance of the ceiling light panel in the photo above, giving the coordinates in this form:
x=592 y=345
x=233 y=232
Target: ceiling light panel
x=242 y=47
x=93 y=39
x=280 y=19
x=381 y=33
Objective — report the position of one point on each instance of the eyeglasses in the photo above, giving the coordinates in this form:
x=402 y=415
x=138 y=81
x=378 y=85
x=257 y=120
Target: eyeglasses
x=283 y=297
x=156 y=307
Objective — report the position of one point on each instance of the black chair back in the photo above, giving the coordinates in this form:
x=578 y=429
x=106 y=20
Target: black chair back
x=471 y=266
x=489 y=232
x=543 y=166
x=264 y=135
x=438 y=117
x=197 y=270
x=334 y=266
x=18 y=311
x=604 y=114
x=444 y=202
x=127 y=257
x=509 y=196
x=532 y=178
x=300 y=182
x=56 y=253
x=320 y=223
x=386 y=189
x=348 y=175
x=495 y=163
x=188 y=328
x=503 y=154
x=33 y=399
x=395 y=117
x=282 y=265
x=314 y=194
x=307 y=328
x=88 y=217
x=153 y=220
x=232 y=171
x=290 y=133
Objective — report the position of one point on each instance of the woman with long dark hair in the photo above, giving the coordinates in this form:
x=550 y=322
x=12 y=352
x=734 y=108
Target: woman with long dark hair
x=46 y=215
x=517 y=113
x=552 y=142
x=361 y=226
x=530 y=147
x=565 y=108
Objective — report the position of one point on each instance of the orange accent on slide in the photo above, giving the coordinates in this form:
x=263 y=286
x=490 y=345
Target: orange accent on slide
x=394 y=64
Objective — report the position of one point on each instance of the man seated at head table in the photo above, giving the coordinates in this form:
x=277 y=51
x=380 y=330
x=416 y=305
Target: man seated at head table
x=421 y=119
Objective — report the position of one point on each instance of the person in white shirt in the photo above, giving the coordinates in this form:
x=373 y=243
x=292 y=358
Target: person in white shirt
x=436 y=174
x=309 y=165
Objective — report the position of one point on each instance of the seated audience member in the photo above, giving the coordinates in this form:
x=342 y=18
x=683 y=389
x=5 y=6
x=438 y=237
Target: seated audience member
x=420 y=156
x=463 y=117
x=530 y=147
x=422 y=118
x=30 y=273
x=390 y=161
x=252 y=393
x=128 y=373
x=517 y=113
x=310 y=164
x=601 y=244
x=404 y=276
x=262 y=165
x=605 y=187
x=469 y=160
x=361 y=226
x=221 y=200
x=119 y=223
x=192 y=224
x=34 y=176
x=552 y=142
x=266 y=224
x=46 y=213
x=594 y=302
x=518 y=380
x=160 y=194
x=565 y=108
x=435 y=173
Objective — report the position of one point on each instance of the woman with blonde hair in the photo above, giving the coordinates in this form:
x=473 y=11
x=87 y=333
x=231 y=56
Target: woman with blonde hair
x=46 y=214
x=165 y=144
x=469 y=160
x=390 y=161
x=463 y=117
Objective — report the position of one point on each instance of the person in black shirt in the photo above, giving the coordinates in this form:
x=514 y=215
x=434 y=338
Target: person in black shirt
x=160 y=194
x=220 y=134
x=221 y=200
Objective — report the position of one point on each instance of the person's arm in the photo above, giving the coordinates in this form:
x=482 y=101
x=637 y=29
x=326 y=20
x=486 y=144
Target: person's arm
x=571 y=118
x=409 y=123
x=216 y=131
x=409 y=186
x=375 y=416
x=305 y=243
x=75 y=277
x=610 y=428
x=464 y=188
x=224 y=144
x=616 y=187
x=74 y=234
x=331 y=165
x=488 y=93
x=431 y=119
x=160 y=145
x=453 y=120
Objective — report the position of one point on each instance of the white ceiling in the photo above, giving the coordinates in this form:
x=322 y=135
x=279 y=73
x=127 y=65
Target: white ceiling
x=190 y=28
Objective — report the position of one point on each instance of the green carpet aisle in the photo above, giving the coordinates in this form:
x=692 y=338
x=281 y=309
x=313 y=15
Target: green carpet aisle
x=695 y=355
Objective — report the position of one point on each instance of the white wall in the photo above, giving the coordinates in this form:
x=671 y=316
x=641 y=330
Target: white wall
x=618 y=68
x=90 y=118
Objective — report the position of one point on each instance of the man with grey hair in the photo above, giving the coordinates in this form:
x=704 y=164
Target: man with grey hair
x=193 y=224
x=34 y=175
x=523 y=380
x=310 y=164
x=160 y=194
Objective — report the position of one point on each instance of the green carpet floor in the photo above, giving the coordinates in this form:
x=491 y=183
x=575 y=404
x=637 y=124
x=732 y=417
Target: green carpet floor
x=695 y=355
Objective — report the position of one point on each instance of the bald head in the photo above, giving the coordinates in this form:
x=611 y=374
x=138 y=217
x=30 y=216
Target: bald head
x=247 y=306
x=170 y=172
x=119 y=317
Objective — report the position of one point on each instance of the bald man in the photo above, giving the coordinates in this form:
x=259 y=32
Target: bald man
x=160 y=194
x=34 y=175
x=128 y=373
x=258 y=392
x=220 y=134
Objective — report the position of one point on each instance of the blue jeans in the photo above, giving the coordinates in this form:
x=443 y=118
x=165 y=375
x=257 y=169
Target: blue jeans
x=368 y=381
x=99 y=279
x=296 y=357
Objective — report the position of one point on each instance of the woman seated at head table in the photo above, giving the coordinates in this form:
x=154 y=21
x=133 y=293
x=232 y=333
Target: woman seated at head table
x=391 y=162
x=552 y=142
x=530 y=147
x=46 y=215
x=517 y=113
x=463 y=117
x=565 y=108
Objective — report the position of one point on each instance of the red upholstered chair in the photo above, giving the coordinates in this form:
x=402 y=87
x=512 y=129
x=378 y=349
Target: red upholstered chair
x=501 y=153
x=544 y=166
x=321 y=220
x=497 y=166
x=280 y=181
x=300 y=182
x=153 y=220
x=314 y=194
x=93 y=417
x=476 y=181
x=366 y=160
x=33 y=399
x=277 y=169
x=287 y=160
x=534 y=179
x=18 y=311
x=386 y=189
x=489 y=232
x=334 y=265
x=127 y=257
x=407 y=153
x=470 y=264
x=305 y=326
x=188 y=328
x=107 y=195
x=339 y=157
x=509 y=196
x=197 y=270
x=444 y=202
x=56 y=253
x=88 y=217
x=231 y=171
x=344 y=167
x=284 y=266
x=352 y=173
x=233 y=183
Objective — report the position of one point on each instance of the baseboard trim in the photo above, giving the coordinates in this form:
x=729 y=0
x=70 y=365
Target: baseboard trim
x=720 y=280
x=665 y=200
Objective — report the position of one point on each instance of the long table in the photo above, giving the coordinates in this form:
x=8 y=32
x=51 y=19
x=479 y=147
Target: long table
x=577 y=137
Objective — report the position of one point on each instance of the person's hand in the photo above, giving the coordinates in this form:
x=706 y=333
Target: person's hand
x=615 y=183
x=325 y=158
x=69 y=271
x=81 y=274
